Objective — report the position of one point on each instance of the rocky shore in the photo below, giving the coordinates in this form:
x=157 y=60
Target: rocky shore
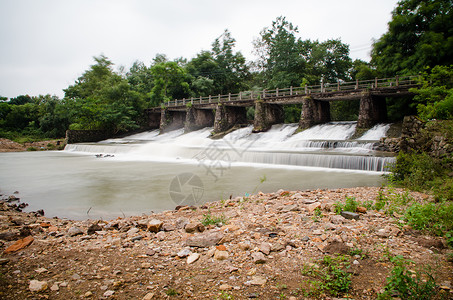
x=263 y=247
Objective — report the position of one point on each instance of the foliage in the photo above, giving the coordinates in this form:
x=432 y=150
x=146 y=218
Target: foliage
x=419 y=35
x=435 y=96
x=419 y=171
x=350 y=205
x=209 y=219
x=406 y=286
x=331 y=276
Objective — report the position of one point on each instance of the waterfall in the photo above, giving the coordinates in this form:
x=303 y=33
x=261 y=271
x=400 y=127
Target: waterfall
x=325 y=146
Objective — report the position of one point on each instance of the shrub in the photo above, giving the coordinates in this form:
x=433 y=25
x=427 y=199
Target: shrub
x=209 y=219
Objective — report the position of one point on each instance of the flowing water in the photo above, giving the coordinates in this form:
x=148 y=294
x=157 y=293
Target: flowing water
x=151 y=172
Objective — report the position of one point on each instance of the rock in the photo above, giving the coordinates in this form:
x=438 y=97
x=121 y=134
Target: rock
x=181 y=223
x=154 y=225
x=361 y=210
x=220 y=255
x=265 y=248
x=19 y=245
x=350 y=215
x=9 y=236
x=108 y=293
x=74 y=230
x=192 y=258
x=160 y=235
x=221 y=248
x=41 y=270
x=258 y=258
x=133 y=231
x=258 y=280
x=148 y=296
x=143 y=223
x=194 y=227
x=337 y=219
x=244 y=246
x=205 y=240
x=88 y=294
x=4 y=261
x=93 y=228
x=383 y=233
x=225 y=287
x=311 y=207
x=291 y=207
x=37 y=286
x=184 y=253
x=55 y=287
x=277 y=247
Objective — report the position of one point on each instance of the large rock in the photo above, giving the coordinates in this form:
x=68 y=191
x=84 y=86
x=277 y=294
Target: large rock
x=74 y=230
x=194 y=227
x=205 y=240
x=258 y=258
x=155 y=225
x=19 y=244
x=37 y=286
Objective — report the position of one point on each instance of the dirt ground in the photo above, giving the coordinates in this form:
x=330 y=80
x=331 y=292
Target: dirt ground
x=11 y=146
x=258 y=247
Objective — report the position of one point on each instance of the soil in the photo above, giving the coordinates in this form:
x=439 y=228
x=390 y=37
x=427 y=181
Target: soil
x=258 y=249
x=11 y=146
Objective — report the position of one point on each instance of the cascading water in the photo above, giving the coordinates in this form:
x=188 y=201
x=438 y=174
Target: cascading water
x=326 y=146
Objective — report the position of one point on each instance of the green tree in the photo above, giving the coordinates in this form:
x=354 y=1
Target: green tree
x=419 y=35
x=434 y=99
x=281 y=55
x=232 y=71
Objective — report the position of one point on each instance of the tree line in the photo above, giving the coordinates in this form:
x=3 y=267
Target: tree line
x=419 y=38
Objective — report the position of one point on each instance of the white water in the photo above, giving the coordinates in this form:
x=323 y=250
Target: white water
x=139 y=178
x=325 y=146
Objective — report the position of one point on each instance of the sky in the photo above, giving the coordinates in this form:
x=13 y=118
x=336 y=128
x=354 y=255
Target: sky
x=45 y=45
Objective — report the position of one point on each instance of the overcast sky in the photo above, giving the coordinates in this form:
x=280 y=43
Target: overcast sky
x=47 y=44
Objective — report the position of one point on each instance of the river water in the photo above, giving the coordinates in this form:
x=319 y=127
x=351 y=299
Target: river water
x=150 y=172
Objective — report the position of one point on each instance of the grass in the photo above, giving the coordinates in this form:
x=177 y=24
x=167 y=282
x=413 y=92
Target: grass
x=404 y=284
x=209 y=219
x=329 y=277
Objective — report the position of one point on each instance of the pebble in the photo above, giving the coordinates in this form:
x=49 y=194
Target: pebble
x=37 y=286
x=258 y=258
x=221 y=255
x=258 y=280
x=192 y=258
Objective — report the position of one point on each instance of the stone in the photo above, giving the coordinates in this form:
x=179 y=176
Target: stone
x=225 y=287
x=192 y=258
x=337 y=219
x=19 y=245
x=194 y=227
x=258 y=258
x=258 y=280
x=221 y=248
x=244 y=246
x=383 y=233
x=133 y=231
x=4 y=261
x=184 y=253
x=148 y=296
x=181 y=223
x=277 y=247
x=93 y=228
x=311 y=207
x=291 y=207
x=361 y=210
x=88 y=294
x=160 y=235
x=108 y=294
x=55 y=287
x=220 y=255
x=41 y=270
x=205 y=240
x=350 y=215
x=265 y=248
x=154 y=225
x=74 y=230
x=37 y=286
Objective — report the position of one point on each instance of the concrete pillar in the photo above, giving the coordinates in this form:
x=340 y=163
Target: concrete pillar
x=198 y=118
x=153 y=119
x=171 y=120
x=267 y=115
x=228 y=116
x=372 y=110
x=313 y=112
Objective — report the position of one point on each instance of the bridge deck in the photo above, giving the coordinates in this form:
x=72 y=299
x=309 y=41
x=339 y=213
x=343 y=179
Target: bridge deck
x=339 y=91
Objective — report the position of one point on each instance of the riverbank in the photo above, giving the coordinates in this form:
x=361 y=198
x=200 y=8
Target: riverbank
x=266 y=246
x=11 y=146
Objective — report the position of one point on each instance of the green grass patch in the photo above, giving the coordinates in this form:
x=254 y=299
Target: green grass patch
x=209 y=219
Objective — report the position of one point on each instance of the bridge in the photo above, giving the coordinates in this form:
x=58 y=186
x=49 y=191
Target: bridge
x=226 y=111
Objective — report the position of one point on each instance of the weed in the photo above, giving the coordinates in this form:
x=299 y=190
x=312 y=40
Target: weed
x=407 y=286
x=317 y=214
x=32 y=149
x=226 y=296
x=209 y=219
x=171 y=292
x=357 y=251
x=331 y=276
x=350 y=205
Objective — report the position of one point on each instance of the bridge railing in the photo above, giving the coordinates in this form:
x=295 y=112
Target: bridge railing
x=302 y=91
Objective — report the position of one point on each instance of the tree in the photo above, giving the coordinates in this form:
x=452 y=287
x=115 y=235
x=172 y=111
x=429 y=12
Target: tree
x=419 y=35
x=434 y=99
x=281 y=56
x=21 y=100
x=232 y=71
x=103 y=99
